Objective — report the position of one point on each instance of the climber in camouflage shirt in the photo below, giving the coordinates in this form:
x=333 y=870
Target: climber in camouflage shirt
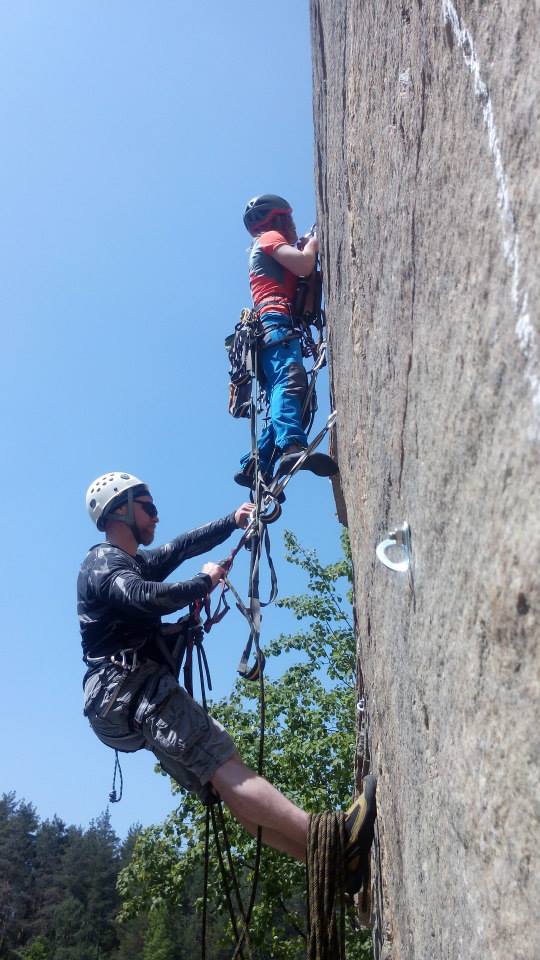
x=132 y=697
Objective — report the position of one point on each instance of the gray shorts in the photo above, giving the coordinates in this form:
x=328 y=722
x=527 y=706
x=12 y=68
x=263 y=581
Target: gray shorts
x=153 y=711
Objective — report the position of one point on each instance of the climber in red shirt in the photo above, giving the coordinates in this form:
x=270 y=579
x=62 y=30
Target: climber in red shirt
x=275 y=264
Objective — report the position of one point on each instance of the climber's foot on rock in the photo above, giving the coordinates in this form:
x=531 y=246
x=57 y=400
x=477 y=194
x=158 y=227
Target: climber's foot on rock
x=318 y=463
x=359 y=827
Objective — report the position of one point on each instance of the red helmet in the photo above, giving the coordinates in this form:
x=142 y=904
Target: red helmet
x=261 y=209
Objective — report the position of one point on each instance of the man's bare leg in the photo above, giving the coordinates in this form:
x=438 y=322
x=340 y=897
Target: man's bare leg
x=253 y=800
x=274 y=839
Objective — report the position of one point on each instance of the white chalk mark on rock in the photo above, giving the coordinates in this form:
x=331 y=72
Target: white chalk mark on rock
x=405 y=81
x=510 y=238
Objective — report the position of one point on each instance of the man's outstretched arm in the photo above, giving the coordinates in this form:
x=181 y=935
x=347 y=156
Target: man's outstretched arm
x=161 y=562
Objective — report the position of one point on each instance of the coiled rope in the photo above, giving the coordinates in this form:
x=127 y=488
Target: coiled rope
x=326 y=886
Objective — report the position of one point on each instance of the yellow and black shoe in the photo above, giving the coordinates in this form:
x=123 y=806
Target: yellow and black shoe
x=359 y=827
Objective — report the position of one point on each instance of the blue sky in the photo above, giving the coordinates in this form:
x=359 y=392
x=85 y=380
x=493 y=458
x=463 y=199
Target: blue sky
x=132 y=134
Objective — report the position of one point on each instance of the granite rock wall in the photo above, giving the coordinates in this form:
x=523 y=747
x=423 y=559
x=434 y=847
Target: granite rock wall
x=427 y=174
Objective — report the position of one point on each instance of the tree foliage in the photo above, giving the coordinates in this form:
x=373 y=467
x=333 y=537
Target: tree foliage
x=58 y=888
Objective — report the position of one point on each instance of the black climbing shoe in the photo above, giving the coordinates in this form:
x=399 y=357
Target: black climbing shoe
x=359 y=828
x=246 y=478
x=246 y=475
x=319 y=463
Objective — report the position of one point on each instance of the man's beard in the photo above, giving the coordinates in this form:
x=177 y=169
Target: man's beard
x=145 y=538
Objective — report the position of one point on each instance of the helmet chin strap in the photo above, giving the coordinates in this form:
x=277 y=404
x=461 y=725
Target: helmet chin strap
x=129 y=517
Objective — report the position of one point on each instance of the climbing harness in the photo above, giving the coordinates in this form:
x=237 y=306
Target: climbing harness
x=248 y=338
x=127 y=661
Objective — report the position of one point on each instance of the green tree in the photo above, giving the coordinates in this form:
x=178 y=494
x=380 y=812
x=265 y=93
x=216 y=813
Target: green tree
x=50 y=847
x=131 y=934
x=160 y=942
x=37 y=949
x=309 y=738
x=58 y=897
x=18 y=826
x=83 y=922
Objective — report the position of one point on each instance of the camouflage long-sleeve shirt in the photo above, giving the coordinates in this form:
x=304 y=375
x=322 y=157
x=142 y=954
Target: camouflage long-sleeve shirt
x=121 y=599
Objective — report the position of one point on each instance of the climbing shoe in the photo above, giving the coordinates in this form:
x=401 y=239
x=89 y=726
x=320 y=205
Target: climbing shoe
x=319 y=463
x=246 y=475
x=359 y=822
x=246 y=478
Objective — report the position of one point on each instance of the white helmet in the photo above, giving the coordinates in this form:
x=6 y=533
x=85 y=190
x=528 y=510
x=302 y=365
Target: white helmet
x=103 y=492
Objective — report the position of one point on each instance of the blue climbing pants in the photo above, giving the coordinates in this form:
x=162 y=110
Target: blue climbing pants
x=285 y=385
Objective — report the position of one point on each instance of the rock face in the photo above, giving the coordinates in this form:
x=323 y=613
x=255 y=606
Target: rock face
x=427 y=146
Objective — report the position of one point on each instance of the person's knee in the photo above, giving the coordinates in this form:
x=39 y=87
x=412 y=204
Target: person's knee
x=296 y=381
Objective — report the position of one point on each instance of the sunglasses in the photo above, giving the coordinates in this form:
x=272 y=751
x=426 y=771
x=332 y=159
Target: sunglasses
x=149 y=508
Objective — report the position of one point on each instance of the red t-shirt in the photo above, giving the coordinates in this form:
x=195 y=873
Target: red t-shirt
x=268 y=279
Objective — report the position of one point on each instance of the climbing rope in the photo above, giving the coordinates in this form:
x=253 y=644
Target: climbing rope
x=255 y=536
x=115 y=797
x=326 y=873
x=230 y=880
x=326 y=886
x=192 y=641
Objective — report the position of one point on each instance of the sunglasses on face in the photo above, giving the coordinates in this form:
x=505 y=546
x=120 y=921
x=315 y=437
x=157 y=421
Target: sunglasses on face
x=149 y=508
